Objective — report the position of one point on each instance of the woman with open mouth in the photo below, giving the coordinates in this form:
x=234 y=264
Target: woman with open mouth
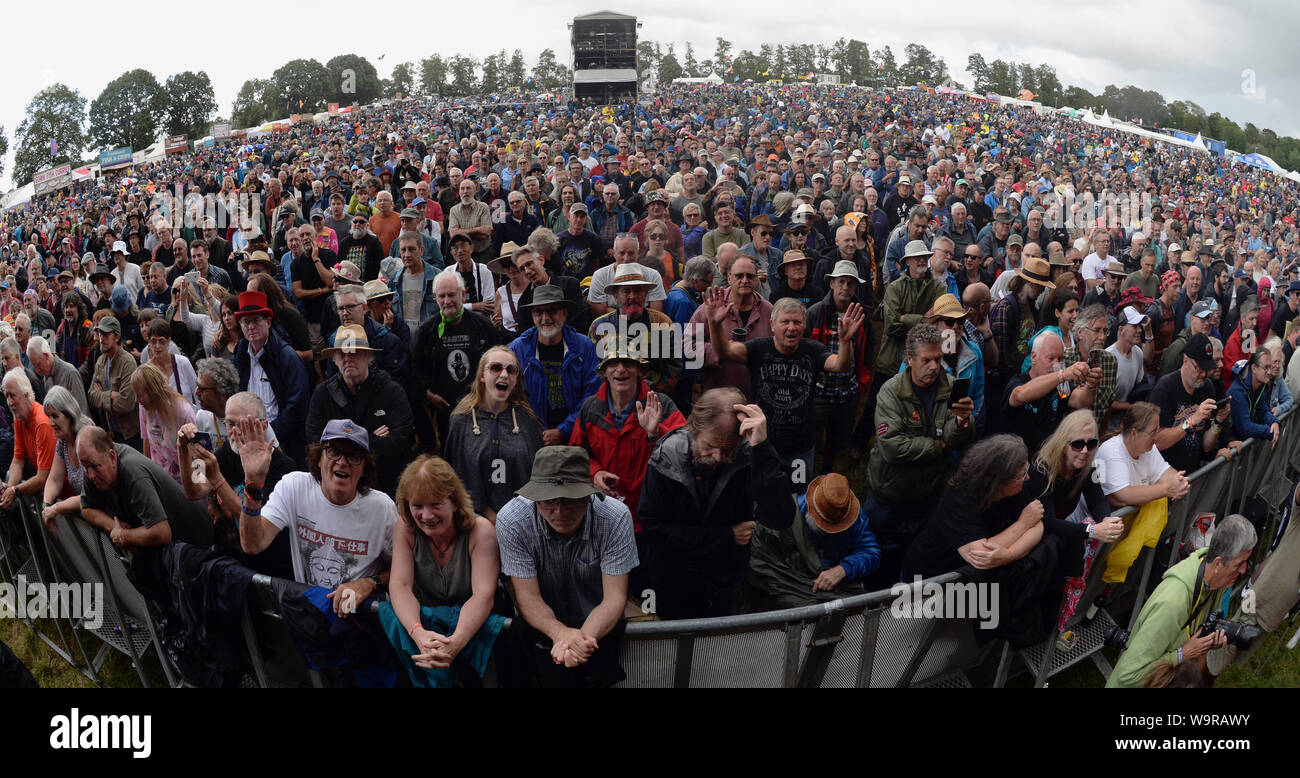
x=444 y=574
x=493 y=433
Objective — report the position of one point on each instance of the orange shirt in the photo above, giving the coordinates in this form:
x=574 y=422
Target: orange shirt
x=386 y=228
x=35 y=436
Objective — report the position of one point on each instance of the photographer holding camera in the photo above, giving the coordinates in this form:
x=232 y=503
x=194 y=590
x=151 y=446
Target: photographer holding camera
x=1169 y=628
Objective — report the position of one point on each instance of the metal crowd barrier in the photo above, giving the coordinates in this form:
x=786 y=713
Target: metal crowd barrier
x=855 y=642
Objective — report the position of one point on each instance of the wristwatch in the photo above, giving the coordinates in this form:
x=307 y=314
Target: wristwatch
x=1186 y=425
x=379 y=584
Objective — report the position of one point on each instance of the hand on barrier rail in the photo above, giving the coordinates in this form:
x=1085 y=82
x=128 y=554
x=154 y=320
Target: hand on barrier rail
x=8 y=496
x=49 y=515
x=1176 y=488
x=1108 y=529
x=742 y=532
x=1276 y=431
x=349 y=595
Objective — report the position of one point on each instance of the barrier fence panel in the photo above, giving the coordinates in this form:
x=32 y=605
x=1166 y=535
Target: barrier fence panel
x=856 y=642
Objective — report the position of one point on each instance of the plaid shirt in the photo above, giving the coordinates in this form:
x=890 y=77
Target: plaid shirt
x=1012 y=325
x=1105 y=393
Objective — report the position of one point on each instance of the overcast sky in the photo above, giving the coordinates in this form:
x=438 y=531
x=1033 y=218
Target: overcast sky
x=1193 y=50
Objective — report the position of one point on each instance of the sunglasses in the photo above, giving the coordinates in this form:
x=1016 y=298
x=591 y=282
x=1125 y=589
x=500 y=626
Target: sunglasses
x=765 y=233
x=497 y=367
x=1080 y=445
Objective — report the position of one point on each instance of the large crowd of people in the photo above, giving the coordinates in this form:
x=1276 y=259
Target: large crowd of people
x=576 y=364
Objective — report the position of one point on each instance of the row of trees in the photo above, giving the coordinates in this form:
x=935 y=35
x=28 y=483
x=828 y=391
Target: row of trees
x=307 y=86
x=131 y=111
x=847 y=57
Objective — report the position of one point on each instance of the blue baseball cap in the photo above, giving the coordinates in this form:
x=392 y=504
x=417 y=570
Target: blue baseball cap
x=346 y=429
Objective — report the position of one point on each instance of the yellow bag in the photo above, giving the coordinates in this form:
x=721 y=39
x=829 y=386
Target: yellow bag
x=1144 y=530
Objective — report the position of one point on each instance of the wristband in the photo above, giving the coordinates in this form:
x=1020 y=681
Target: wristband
x=1180 y=655
x=254 y=490
x=247 y=511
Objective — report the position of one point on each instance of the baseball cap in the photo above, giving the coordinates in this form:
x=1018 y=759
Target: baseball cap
x=346 y=429
x=1201 y=351
x=1131 y=316
x=1203 y=309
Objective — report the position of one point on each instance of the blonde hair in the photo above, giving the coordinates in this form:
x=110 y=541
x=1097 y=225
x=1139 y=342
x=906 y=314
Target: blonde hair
x=153 y=392
x=477 y=391
x=1051 y=456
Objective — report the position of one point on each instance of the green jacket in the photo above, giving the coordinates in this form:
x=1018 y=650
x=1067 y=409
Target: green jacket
x=910 y=460
x=1173 y=358
x=910 y=298
x=1159 y=631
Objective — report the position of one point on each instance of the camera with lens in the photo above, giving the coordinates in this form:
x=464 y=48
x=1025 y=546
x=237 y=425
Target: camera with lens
x=1238 y=634
x=1116 y=637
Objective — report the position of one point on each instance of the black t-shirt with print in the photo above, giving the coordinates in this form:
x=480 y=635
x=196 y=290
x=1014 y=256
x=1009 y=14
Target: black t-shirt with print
x=783 y=387
x=552 y=359
x=1177 y=405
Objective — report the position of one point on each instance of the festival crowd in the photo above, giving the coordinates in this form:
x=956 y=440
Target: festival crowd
x=574 y=365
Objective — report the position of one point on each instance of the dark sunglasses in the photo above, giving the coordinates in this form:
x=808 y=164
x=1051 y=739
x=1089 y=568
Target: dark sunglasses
x=1080 y=445
x=765 y=233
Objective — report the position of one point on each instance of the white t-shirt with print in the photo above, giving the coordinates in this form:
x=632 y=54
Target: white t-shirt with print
x=332 y=544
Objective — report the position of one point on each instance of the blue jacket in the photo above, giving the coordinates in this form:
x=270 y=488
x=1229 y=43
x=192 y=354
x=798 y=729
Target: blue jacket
x=599 y=215
x=578 y=376
x=681 y=304
x=1250 y=422
x=288 y=377
x=430 y=303
x=855 y=549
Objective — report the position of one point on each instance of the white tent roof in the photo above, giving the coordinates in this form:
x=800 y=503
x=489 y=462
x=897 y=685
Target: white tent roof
x=1294 y=175
x=712 y=78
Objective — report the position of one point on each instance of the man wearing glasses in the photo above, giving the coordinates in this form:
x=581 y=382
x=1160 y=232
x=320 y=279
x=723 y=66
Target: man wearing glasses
x=766 y=256
x=362 y=248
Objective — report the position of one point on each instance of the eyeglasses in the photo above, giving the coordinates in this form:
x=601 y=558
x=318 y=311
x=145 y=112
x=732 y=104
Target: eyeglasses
x=497 y=367
x=349 y=307
x=765 y=233
x=1080 y=445
x=799 y=231
x=656 y=237
x=340 y=456
x=745 y=276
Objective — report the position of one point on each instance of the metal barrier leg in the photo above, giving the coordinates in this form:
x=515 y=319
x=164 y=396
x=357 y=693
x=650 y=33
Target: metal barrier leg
x=867 y=656
x=828 y=633
x=685 y=657
x=793 y=639
x=1004 y=666
x=918 y=656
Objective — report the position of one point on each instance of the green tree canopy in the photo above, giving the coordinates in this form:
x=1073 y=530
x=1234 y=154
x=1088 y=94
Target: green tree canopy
x=352 y=80
x=128 y=111
x=56 y=113
x=190 y=104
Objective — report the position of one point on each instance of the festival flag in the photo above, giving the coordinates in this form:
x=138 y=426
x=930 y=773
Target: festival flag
x=54 y=147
